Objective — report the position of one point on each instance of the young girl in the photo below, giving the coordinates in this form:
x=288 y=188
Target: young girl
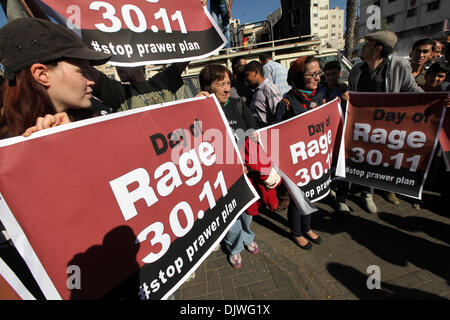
x=46 y=75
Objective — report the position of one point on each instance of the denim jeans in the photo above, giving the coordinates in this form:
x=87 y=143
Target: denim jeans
x=239 y=234
x=219 y=9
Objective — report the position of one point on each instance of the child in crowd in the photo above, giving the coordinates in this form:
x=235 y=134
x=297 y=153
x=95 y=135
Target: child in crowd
x=331 y=88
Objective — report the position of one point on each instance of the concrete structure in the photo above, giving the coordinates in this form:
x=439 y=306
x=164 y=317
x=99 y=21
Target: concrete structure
x=336 y=23
x=409 y=19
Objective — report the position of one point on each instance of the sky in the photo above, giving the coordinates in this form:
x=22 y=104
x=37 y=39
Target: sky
x=257 y=10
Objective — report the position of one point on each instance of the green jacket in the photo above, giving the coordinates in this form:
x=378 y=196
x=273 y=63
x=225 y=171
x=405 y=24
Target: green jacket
x=124 y=96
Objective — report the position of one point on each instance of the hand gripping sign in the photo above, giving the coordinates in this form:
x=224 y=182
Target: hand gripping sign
x=390 y=139
x=140 y=32
x=126 y=205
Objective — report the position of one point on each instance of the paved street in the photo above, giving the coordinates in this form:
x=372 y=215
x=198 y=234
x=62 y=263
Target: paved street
x=411 y=248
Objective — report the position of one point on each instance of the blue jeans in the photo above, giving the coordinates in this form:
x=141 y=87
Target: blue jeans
x=222 y=11
x=239 y=234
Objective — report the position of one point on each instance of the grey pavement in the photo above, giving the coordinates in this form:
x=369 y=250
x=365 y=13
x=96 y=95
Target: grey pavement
x=410 y=247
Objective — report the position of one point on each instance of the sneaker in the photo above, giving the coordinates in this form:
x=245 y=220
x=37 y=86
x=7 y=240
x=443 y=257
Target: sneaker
x=342 y=208
x=230 y=51
x=235 y=260
x=253 y=248
x=368 y=203
x=392 y=198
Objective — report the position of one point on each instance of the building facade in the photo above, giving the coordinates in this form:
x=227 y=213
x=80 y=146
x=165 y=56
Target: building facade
x=409 y=19
x=337 y=23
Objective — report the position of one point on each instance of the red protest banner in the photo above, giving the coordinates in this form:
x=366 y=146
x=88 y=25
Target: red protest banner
x=140 y=32
x=127 y=204
x=302 y=147
x=390 y=139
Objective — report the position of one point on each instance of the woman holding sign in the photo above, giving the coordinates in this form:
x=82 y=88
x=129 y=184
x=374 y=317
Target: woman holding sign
x=45 y=75
x=304 y=77
x=216 y=79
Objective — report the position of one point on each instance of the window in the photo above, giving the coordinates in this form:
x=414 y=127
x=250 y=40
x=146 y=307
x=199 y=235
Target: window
x=411 y=13
x=377 y=3
x=433 y=5
x=315 y=4
x=315 y=15
x=333 y=26
x=389 y=1
x=390 y=19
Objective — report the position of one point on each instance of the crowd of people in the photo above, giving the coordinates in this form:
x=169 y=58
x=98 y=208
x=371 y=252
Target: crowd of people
x=47 y=84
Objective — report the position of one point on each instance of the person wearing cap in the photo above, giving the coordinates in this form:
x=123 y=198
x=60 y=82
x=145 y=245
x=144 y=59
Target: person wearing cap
x=45 y=75
x=381 y=72
x=304 y=77
x=45 y=78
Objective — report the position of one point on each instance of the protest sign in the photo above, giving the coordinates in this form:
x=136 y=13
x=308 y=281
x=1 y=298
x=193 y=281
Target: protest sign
x=125 y=205
x=302 y=148
x=11 y=288
x=140 y=32
x=444 y=139
x=390 y=139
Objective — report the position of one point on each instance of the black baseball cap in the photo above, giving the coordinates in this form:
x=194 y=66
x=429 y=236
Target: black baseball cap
x=25 y=41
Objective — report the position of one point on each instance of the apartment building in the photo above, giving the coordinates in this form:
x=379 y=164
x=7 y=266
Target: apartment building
x=409 y=19
x=320 y=25
x=336 y=23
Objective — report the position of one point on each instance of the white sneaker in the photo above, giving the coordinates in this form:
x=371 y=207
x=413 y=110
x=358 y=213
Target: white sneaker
x=368 y=203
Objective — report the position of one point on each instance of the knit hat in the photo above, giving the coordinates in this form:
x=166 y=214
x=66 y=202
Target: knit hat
x=25 y=41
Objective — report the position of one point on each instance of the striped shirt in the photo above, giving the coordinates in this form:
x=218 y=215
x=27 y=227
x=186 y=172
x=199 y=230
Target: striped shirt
x=277 y=74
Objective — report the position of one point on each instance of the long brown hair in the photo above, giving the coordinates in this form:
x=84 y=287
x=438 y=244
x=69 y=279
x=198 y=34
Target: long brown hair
x=22 y=101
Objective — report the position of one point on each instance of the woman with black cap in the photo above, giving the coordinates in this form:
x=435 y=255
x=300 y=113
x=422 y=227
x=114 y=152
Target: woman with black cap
x=303 y=76
x=45 y=75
